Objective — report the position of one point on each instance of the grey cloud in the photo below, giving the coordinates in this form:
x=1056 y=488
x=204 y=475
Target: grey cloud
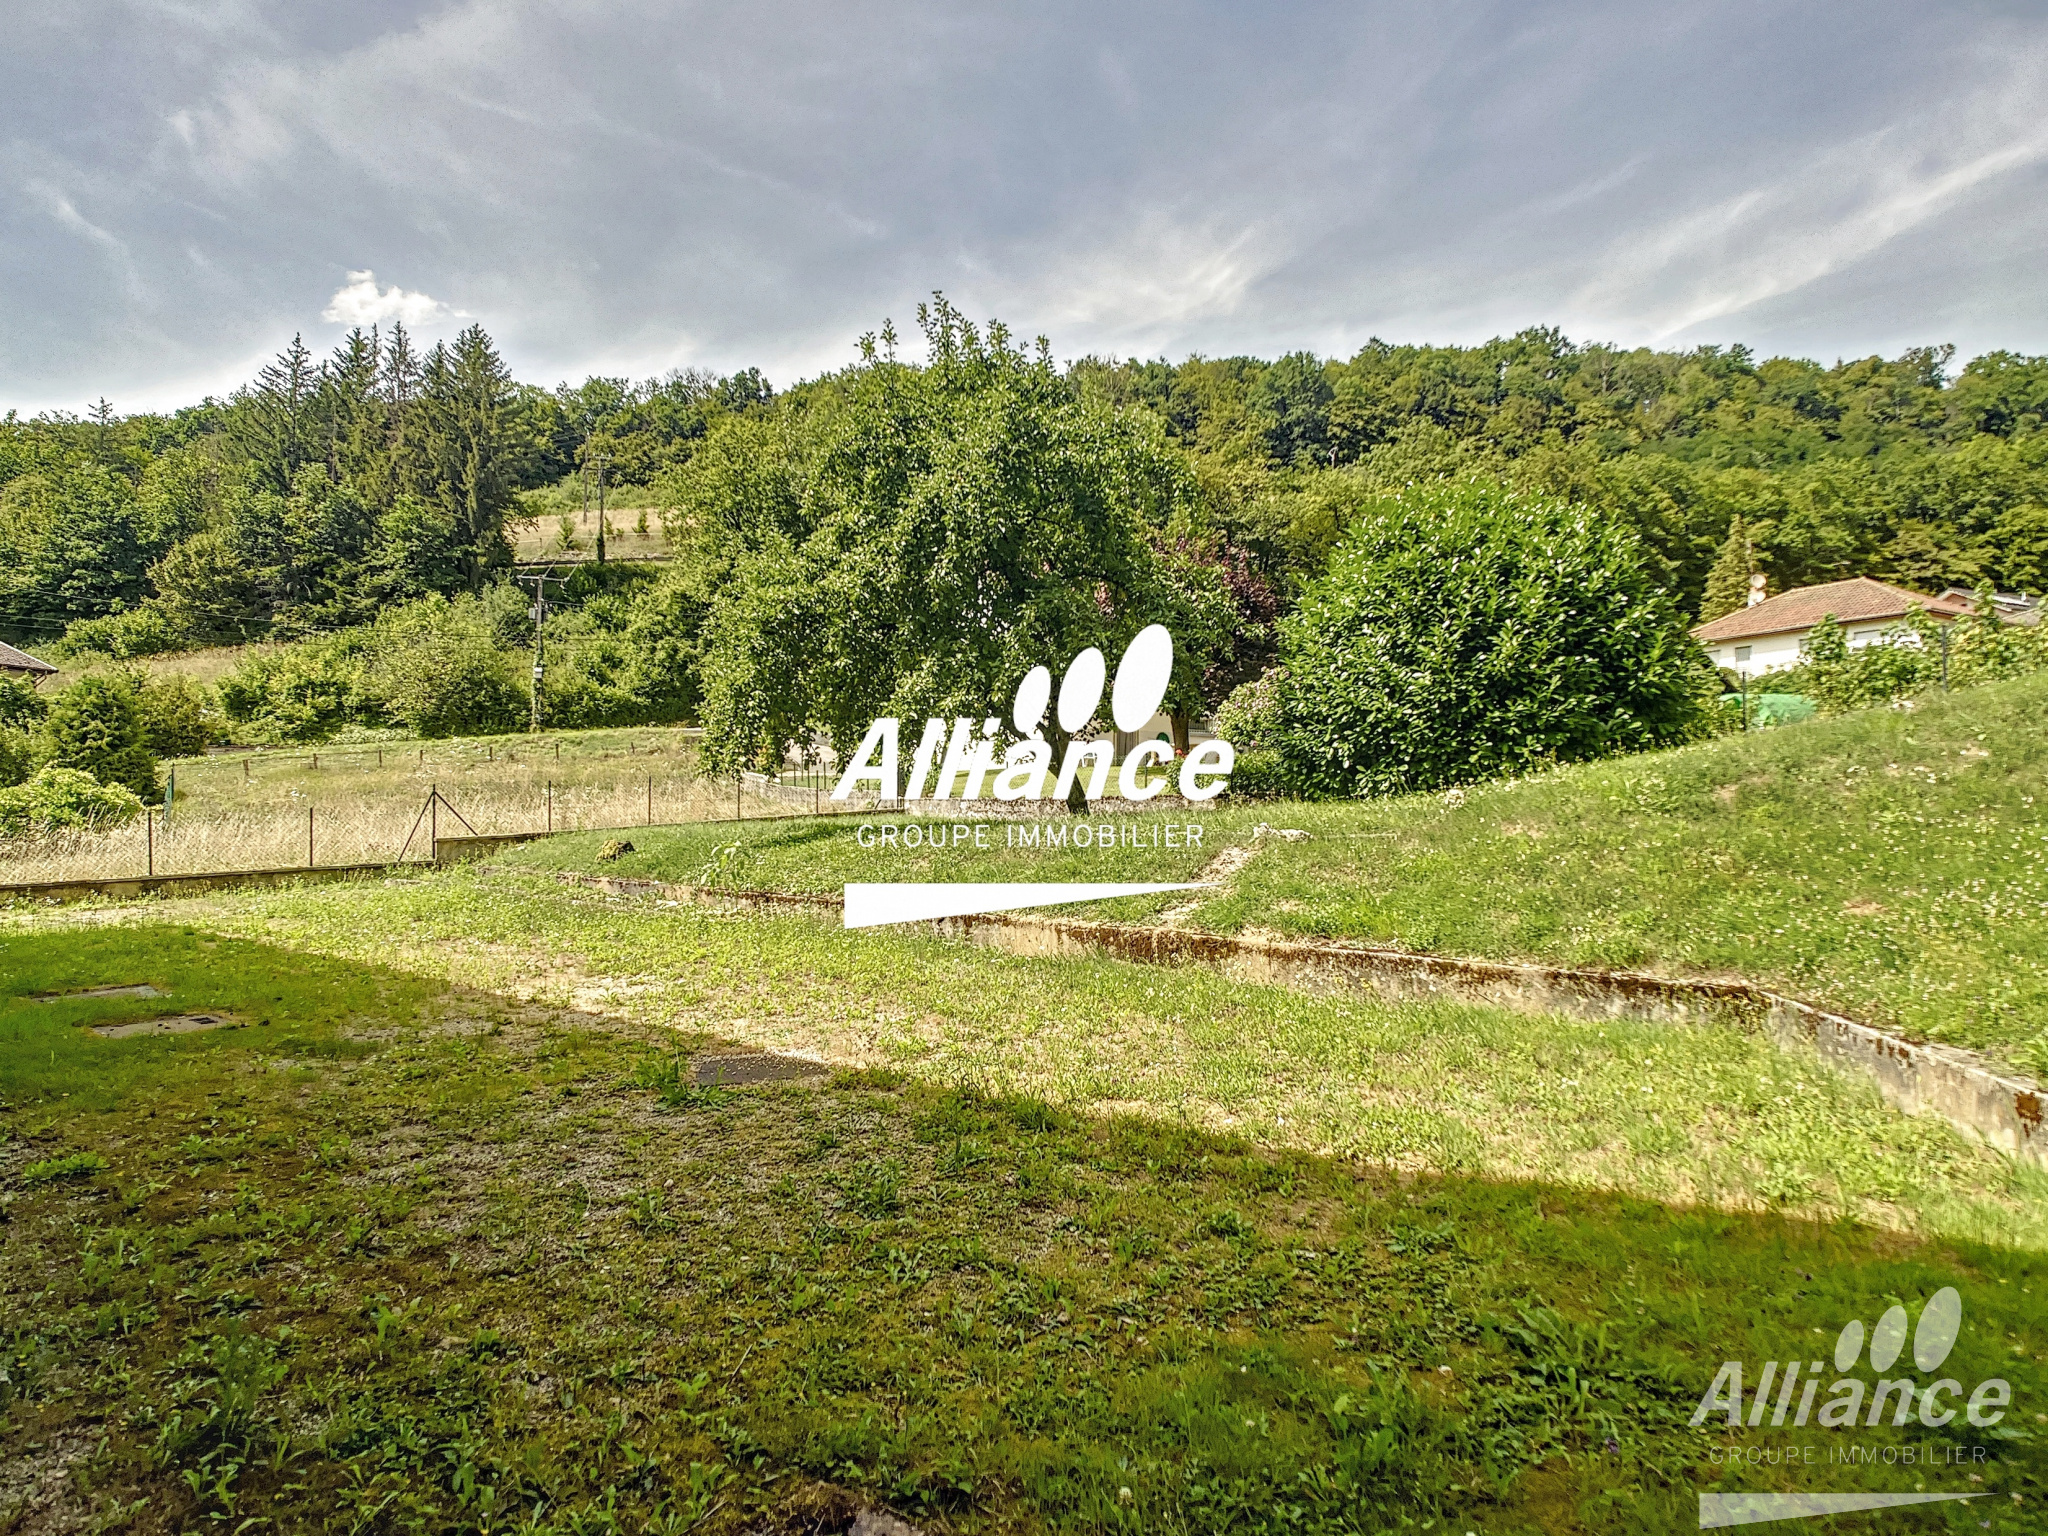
x=629 y=188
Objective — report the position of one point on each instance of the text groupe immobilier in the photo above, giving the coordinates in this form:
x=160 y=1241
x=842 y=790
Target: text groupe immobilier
x=1103 y=835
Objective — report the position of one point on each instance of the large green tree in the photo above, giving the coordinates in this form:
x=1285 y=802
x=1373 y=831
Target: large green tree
x=911 y=539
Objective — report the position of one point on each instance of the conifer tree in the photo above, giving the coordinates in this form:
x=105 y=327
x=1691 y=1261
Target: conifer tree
x=1728 y=581
x=466 y=405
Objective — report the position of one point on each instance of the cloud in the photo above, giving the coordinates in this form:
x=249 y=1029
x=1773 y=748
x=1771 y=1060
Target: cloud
x=651 y=184
x=360 y=301
x=1827 y=212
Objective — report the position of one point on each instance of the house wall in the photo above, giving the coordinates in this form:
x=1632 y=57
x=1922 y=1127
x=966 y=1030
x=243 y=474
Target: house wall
x=1774 y=653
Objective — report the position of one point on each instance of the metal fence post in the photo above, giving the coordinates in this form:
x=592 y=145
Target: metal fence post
x=149 y=837
x=309 y=837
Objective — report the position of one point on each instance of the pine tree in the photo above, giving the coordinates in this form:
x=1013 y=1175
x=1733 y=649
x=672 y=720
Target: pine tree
x=1728 y=582
x=352 y=408
x=273 y=422
x=466 y=406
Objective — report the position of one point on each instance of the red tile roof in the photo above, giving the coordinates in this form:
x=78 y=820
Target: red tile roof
x=1855 y=601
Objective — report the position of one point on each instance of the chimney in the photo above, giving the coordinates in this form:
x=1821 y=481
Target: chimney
x=1756 y=588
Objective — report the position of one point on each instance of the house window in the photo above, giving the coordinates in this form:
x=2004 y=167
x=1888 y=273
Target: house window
x=1742 y=653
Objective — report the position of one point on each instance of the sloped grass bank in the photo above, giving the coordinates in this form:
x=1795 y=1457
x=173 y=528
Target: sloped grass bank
x=1892 y=864
x=499 y=1265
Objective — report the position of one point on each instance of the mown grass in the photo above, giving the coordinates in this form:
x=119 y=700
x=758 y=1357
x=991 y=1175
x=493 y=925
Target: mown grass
x=499 y=1266
x=818 y=856
x=1710 y=1111
x=1893 y=863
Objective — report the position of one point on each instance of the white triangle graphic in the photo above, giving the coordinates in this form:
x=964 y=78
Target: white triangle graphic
x=1725 y=1509
x=871 y=906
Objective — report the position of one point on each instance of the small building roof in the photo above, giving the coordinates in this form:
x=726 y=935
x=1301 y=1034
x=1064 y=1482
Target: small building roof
x=1858 y=600
x=12 y=660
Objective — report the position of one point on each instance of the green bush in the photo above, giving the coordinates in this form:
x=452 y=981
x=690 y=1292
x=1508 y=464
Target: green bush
x=1464 y=630
x=178 y=715
x=302 y=692
x=17 y=756
x=1250 y=719
x=58 y=798
x=1981 y=648
x=436 y=668
x=96 y=725
x=145 y=630
x=21 y=707
x=665 y=646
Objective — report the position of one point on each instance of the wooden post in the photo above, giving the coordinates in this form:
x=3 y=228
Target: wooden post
x=434 y=826
x=380 y=757
x=316 y=762
x=309 y=837
x=551 y=805
x=245 y=770
x=558 y=751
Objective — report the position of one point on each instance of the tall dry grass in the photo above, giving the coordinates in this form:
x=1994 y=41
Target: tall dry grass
x=202 y=837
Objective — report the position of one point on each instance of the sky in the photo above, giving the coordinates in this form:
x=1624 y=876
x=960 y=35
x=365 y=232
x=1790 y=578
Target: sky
x=627 y=188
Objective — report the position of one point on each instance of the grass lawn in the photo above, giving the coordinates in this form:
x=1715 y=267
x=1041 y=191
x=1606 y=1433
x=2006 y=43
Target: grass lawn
x=446 y=1238
x=1892 y=863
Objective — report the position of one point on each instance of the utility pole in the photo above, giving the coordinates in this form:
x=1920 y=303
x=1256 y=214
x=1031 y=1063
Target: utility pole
x=539 y=611
x=597 y=462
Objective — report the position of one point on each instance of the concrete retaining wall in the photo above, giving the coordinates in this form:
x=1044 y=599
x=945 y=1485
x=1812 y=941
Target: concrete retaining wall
x=447 y=850
x=1975 y=1095
x=134 y=887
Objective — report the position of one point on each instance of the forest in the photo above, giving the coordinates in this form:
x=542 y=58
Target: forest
x=910 y=536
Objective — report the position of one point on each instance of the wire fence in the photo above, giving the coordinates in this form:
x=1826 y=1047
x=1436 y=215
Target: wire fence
x=385 y=829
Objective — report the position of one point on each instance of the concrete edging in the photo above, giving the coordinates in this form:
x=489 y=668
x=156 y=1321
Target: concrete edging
x=1918 y=1077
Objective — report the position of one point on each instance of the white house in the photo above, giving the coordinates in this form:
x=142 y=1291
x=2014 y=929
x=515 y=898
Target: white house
x=1770 y=634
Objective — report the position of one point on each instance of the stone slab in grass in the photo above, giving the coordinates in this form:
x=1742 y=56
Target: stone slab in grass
x=169 y=1024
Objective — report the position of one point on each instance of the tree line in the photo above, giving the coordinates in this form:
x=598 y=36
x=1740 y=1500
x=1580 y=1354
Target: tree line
x=909 y=537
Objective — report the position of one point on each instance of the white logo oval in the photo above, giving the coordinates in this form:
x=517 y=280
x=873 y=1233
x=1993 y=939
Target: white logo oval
x=1081 y=690
x=1940 y=1321
x=1029 y=706
x=1887 y=1338
x=1141 y=678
